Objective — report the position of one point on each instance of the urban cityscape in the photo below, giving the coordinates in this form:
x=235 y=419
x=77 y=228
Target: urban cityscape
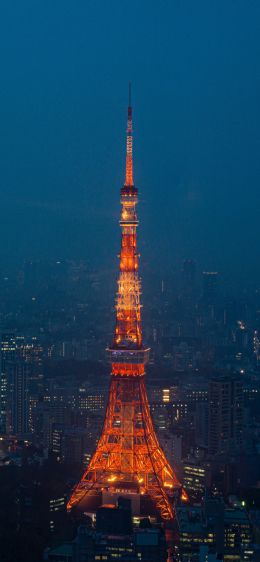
x=129 y=395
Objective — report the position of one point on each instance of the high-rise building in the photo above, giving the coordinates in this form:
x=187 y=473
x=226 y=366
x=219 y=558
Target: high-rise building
x=225 y=415
x=210 y=287
x=189 y=280
x=238 y=535
x=128 y=459
x=8 y=351
x=18 y=373
x=227 y=533
x=194 y=478
x=19 y=349
x=71 y=444
x=201 y=419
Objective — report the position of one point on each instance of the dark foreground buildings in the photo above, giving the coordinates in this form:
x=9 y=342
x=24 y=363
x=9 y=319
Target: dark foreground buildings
x=113 y=538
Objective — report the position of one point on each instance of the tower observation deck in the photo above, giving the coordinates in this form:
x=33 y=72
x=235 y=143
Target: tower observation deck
x=128 y=459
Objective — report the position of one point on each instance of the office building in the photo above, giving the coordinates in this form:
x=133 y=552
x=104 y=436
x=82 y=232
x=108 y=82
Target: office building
x=225 y=415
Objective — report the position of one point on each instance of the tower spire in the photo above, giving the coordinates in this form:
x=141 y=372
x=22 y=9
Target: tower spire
x=129 y=174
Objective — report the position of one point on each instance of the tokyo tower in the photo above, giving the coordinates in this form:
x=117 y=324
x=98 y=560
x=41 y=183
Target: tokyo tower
x=128 y=460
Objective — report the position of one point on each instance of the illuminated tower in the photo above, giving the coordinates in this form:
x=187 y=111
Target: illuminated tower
x=128 y=459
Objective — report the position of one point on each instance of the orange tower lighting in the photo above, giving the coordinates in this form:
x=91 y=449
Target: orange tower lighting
x=128 y=455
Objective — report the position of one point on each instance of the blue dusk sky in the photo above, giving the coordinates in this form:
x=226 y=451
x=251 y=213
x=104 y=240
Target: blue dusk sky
x=195 y=73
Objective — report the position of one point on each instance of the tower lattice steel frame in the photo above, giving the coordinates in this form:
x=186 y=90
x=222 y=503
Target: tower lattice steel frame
x=128 y=450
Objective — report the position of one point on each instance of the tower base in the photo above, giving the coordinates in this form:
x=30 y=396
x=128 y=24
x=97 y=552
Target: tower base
x=141 y=504
x=128 y=458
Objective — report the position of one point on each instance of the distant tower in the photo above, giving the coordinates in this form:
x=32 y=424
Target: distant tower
x=210 y=287
x=128 y=459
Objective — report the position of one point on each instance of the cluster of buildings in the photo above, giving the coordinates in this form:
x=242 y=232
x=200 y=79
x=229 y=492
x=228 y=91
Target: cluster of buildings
x=57 y=414
x=203 y=385
x=113 y=537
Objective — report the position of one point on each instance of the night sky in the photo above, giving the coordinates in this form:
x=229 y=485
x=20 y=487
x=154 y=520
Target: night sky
x=195 y=73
